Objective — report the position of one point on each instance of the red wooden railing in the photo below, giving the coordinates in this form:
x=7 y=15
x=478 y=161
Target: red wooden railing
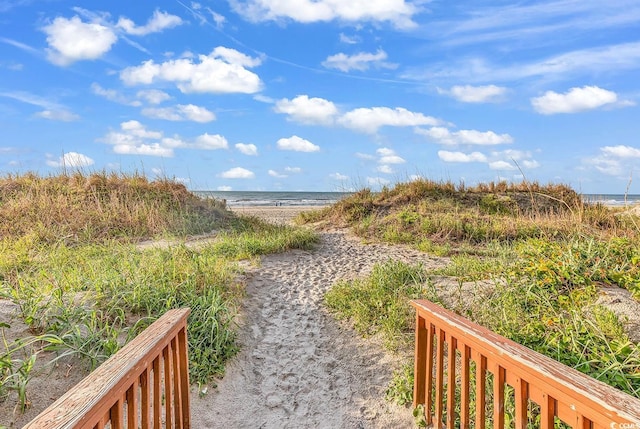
x=449 y=346
x=144 y=385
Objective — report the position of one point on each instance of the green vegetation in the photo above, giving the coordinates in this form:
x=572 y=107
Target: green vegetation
x=548 y=251
x=69 y=261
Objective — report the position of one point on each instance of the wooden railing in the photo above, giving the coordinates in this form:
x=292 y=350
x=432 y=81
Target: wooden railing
x=144 y=385
x=453 y=353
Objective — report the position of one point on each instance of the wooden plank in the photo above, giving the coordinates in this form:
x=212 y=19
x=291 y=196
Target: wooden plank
x=547 y=412
x=177 y=393
x=521 y=394
x=132 y=406
x=420 y=362
x=184 y=377
x=428 y=404
x=597 y=401
x=157 y=393
x=498 y=397
x=481 y=385
x=451 y=383
x=439 y=378
x=145 y=399
x=116 y=415
x=465 y=382
x=86 y=403
x=168 y=391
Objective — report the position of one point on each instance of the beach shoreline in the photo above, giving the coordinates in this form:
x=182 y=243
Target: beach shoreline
x=281 y=215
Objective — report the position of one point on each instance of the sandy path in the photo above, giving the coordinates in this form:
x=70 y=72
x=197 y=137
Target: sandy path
x=298 y=368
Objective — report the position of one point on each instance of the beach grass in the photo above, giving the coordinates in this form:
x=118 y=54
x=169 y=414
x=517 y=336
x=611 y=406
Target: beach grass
x=546 y=252
x=70 y=262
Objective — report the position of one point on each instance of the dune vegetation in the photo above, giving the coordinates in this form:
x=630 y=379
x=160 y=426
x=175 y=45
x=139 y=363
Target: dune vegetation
x=546 y=254
x=70 y=263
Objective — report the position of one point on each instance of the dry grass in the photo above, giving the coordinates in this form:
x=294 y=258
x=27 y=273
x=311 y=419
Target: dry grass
x=442 y=212
x=97 y=207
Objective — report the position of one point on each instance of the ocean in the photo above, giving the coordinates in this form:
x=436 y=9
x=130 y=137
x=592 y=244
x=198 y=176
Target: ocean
x=262 y=198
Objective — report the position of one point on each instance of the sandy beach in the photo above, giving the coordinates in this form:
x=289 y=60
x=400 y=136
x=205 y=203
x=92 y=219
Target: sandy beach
x=275 y=214
x=298 y=367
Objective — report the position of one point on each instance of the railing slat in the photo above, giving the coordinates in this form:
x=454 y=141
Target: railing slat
x=145 y=399
x=521 y=395
x=481 y=383
x=464 y=387
x=420 y=364
x=547 y=412
x=168 y=394
x=439 y=378
x=132 y=405
x=184 y=377
x=451 y=383
x=429 y=385
x=177 y=394
x=116 y=415
x=498 y=397
x=157 y=393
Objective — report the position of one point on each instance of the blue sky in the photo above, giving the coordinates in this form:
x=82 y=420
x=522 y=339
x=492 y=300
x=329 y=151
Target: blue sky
x=324 y=95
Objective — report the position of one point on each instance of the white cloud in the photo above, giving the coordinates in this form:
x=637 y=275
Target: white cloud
x=621 y=151
x=338 y=176
x=397 y=12
x=389 y=156
x=135 y=139
x=211 y=142
x=19 y=45
x=617 y=161
x=368 y=120
x=294 y=170
x=158 y=22
x=386 y=169
x=477 y=94
x=138 y=130
x=222 y=71
x=361 y=61
x=58 y=115
x=181 y=112
x=153 y=96
x=619 y=57
x=444 y=136
x=575 y=100
x=307 y=110
x=264 y=99
x=112 y=95
x=349 y=40
x=297 y=144
x=72 y=40
x=530 y=164
x=224 y=188
x=71 y=160
x=447 y=156
x=274 y=173
x=237 y=173
x=52 y=110
x=247 y=149
x=502 y=165
x=482 y=138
